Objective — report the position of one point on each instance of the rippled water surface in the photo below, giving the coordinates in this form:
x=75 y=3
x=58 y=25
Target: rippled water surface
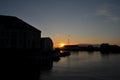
x=85 y=66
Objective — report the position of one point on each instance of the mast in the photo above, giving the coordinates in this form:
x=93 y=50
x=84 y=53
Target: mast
x=68 y=39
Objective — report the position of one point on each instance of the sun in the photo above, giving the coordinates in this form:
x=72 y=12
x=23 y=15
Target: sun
x=61 y=45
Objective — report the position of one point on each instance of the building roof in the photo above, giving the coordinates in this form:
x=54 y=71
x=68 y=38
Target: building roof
x=11 y=22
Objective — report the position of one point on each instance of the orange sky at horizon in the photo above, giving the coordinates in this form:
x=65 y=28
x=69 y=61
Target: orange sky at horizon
x=58 y=42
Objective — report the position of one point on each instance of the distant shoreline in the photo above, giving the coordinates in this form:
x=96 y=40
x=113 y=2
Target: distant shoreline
x=104 y=48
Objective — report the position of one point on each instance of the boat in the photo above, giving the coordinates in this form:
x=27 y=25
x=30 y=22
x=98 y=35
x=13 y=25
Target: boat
x=64 y=53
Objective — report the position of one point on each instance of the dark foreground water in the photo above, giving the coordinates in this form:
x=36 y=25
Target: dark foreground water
x=85 y=66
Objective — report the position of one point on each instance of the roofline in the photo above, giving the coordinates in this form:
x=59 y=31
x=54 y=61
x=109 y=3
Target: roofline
x=20 y=20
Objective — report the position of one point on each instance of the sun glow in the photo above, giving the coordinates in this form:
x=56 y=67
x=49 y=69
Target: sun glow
x=61 y=45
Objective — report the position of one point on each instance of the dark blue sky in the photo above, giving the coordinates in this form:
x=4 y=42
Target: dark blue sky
x=86 y=21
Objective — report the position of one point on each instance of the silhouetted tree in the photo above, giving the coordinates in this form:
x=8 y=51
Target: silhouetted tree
x=105 y=47
x=109 y=48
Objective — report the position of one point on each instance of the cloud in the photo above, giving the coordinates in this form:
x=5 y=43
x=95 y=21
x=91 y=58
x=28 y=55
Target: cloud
x=110 y=12
x=104 y=10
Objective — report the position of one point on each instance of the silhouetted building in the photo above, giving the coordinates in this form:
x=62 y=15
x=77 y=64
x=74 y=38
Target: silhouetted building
x=22 y=44
x=46 y=44
x=15 y=33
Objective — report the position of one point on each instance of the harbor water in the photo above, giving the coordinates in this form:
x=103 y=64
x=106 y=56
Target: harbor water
x=85 y=66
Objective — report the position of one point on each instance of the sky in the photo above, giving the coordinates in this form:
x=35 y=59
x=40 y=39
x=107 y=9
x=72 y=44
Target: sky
x=69 y=21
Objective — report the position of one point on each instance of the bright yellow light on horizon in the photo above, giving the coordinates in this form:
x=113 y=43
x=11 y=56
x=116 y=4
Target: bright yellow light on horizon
x=61 y=45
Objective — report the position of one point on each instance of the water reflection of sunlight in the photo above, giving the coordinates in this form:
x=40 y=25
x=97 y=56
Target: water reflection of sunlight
x=90 y=57
x=63 y=59
x=81 y=58
x=85 y=65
